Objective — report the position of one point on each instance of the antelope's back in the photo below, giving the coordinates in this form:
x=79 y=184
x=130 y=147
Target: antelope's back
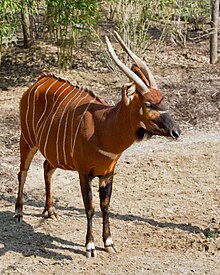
x=51 y=112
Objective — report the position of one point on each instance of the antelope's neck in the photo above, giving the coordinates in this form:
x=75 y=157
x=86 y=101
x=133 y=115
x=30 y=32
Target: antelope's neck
x=119 y=128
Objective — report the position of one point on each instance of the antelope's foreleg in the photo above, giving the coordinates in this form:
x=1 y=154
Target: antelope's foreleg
x=105 y=191
x=86 y=189
x=49 y=206
x=26 y=155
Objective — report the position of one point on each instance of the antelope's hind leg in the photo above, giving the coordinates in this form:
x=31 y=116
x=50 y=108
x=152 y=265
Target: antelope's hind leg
x=105 y=191
x=49 y=206
x=26 y=155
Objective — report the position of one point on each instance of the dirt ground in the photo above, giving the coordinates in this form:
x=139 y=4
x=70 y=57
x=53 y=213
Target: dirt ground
x=165 y=204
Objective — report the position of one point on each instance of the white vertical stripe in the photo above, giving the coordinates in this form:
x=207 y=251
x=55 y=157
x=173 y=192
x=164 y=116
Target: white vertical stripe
x=64 y=133
x=43 y=124
x=34 y=103
x=48 y=130
x=57 y=106
x=58 y=133
x=64 y=136
x=45 y=107
x=73 y=115
x=52 y=119
x=88 y=105
x=27 y=111
x=26 y=120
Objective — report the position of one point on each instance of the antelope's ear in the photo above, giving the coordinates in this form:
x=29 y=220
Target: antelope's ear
x=128 y=91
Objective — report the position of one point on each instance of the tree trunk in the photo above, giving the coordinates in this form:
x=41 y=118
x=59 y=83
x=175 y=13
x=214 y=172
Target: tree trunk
x=28 y=37
x=214 y=34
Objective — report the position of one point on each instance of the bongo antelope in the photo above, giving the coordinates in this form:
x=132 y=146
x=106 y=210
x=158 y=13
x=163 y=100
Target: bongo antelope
x=75 y=130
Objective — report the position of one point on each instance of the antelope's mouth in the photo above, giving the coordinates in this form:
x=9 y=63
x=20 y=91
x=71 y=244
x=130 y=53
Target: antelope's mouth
x=173 y=134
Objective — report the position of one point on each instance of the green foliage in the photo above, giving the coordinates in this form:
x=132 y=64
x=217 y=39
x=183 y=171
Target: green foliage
x=132 y=18
x=184 y=8
x=72 y=12
x=67 y=21
x=169 y=18
x=212 y=234
x=8 y=21
x=10 y=18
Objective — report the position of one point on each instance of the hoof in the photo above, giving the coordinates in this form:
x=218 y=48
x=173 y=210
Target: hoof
x=111 y=248
x=52 y=214
x=90 y=250
x=18 y=216
x=90 y=253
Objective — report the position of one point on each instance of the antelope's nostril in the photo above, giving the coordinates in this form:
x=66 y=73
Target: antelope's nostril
x=175 y=133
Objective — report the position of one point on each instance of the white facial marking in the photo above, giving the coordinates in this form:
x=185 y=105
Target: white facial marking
x=131 y=97
x=141 y=112
x=108 y=154
x=108 y=241
x=163 y=112
x=143 y=125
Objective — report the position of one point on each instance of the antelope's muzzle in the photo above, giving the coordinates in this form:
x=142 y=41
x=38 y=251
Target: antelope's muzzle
x=169 y=126
x=175 y=133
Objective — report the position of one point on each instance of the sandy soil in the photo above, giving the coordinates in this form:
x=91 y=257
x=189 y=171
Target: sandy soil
x=165 y=204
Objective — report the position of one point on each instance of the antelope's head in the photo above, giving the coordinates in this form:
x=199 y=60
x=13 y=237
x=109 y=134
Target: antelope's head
x=142 y=91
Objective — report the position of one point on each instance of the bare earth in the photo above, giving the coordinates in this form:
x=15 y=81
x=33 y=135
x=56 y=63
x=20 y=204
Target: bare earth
x=165 y=204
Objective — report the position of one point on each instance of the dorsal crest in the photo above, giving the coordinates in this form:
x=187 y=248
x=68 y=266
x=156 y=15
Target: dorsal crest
x=83 y=89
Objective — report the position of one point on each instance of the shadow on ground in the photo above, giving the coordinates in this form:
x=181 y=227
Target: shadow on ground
x=23 y=239
x=26 y=230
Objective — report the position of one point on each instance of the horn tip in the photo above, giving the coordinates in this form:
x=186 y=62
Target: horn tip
x=116 y=34
x=107 y=41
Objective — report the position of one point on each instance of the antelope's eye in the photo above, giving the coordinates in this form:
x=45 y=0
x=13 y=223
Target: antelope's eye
x=150 y=106
x=147 y=104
